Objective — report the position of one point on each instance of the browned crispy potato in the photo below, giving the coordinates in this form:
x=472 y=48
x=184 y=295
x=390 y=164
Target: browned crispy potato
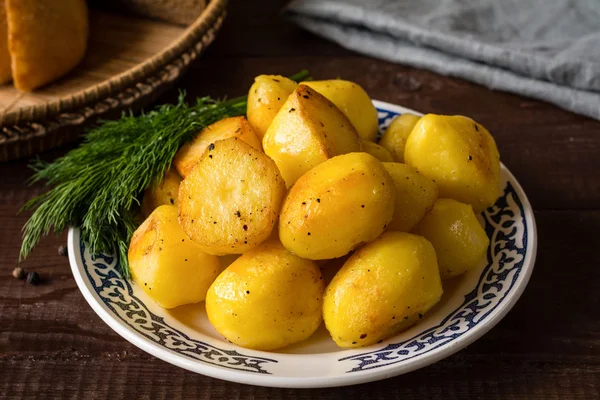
x=394 y=138
x=353 y=101
x=460 y=242
x=383 y=288
x=265 y=98
x=267 y=299
x=189 y=154
x=415 y=195
x=377 y=151
x=337 y=206
x=460 y=155
x=166 y=264
x=165 y=192
x=306 y=131
x=46 y=38
x=230 y=201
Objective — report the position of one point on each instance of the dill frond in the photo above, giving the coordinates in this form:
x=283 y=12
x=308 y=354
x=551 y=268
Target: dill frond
x=97 y=186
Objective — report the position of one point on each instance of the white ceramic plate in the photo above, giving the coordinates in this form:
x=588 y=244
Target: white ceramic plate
x=471 y=305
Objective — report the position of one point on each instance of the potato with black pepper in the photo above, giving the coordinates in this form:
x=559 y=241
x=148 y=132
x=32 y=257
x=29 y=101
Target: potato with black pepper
x=306 y=131
x=394 y=138
x=166 y=264
x=415 y=196
x=353 y=101
x=383 y=288
x=337 y=206
x=265 y=98
x=190 y=153
x=460 y=155
x=459 y=240
x=231 y=200
x=267 y=299
x=165 y=192
x=377 y=151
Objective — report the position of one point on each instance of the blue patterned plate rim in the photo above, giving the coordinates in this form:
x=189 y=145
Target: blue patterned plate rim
x=510 y=260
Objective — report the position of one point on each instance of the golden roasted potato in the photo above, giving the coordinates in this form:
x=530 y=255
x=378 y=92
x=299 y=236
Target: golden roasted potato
x=164 y=262
x=189 y=154
x=267 y=299
x=459 y=241
x=337 y=206
x=163 y=193
x=306 y=131
x=381 y=290
x=230 y=201
x=377 y=151
x=265 y=98
x=353 y=101
x=460 y=155
x=415 y=195
x=394 y=138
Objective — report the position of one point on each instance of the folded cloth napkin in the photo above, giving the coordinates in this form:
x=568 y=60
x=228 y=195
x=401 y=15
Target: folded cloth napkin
x=545 y=49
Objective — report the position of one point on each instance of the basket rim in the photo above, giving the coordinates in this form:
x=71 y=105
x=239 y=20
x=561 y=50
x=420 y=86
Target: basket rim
x=117 y=83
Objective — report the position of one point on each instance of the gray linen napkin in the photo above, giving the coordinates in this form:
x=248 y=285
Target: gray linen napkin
x=545 y=49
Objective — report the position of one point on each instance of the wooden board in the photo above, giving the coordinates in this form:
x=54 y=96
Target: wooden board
x=53 y=345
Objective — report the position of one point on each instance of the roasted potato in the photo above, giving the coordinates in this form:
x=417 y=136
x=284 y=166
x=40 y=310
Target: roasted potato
x=189 y=154
x=337 y=206
x=267 y=299
x=459 y=241
x=353 y=101
x=166 y=264
x=377 y=151
x=306 y=131
x=230 y=201
x=460 y=155
x=265 y=98
x=415 y=196
x=163 y=193
x=381 y=290
x=394 y=138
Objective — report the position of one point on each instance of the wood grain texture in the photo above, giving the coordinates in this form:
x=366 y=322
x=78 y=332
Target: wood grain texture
x=52 y=345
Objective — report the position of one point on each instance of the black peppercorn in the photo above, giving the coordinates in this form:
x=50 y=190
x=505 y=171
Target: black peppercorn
x=33 y=278
x=62 y=251
x=18 y=273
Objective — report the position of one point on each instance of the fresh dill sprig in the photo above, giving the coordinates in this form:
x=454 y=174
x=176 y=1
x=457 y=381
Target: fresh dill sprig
x=97 y=186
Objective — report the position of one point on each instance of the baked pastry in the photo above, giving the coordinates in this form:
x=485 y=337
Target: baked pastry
x=46 y=39
x=5 y=74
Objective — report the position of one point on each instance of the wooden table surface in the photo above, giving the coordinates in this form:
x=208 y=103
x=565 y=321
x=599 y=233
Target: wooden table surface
x=52 y=345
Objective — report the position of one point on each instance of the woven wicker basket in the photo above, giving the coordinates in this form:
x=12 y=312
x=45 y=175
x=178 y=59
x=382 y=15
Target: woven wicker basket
x=35 y=122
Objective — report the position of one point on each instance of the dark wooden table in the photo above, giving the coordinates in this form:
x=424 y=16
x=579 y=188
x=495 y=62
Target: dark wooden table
x=52 y=345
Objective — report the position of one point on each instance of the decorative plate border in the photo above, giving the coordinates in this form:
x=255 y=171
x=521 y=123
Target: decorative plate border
x=117 y=294
x=509 y=224
x=506 y=227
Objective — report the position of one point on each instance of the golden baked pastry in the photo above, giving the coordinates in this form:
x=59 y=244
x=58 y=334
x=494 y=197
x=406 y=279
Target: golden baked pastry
x=46 y=39
x=5 y=73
